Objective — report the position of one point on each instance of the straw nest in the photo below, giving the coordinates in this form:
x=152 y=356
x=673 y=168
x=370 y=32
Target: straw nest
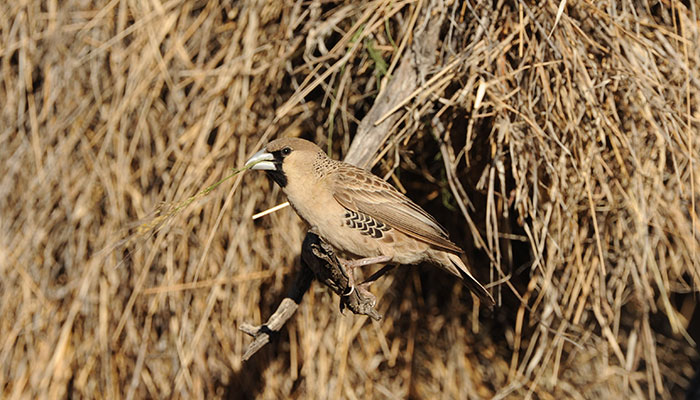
x=558 y=143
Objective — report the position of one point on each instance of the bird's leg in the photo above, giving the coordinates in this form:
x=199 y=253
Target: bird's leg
x=378 y=274
x=350 y=266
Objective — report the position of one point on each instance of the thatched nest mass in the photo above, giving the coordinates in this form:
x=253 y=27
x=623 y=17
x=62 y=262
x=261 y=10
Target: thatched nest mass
x=556 y=141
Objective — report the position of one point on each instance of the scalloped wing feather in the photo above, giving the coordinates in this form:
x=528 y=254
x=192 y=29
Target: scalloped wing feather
x=361 y=191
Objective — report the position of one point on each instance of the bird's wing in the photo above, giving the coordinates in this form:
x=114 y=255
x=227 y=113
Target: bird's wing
x=361 y=191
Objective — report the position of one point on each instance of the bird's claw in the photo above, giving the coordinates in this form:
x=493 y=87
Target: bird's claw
x=352 y=289
x=372 y=298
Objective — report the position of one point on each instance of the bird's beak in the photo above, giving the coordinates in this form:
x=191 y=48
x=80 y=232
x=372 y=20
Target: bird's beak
x=261 y=160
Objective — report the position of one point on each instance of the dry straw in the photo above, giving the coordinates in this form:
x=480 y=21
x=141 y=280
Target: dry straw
x=557 y=141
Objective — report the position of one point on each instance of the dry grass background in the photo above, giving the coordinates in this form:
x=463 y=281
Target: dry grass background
x=565 y=133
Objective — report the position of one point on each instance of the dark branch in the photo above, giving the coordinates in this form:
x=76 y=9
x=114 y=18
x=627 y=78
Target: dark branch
x=284 y=311
x=319 y=260
x=322 y=261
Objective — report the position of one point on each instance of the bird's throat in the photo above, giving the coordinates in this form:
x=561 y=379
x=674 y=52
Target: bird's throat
x=278 y=176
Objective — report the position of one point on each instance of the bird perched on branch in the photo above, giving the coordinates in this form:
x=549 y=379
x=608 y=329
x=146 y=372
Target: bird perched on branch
x=359 y=213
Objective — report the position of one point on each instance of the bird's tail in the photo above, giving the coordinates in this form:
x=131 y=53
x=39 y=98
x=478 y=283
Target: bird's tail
x=456 y=266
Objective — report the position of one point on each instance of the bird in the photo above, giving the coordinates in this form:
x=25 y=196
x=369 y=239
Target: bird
x=359 y=213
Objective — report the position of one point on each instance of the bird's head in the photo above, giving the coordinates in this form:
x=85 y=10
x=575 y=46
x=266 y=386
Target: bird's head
x=287 y=159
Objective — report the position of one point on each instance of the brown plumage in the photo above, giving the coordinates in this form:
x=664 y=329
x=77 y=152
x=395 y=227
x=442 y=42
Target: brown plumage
x=358 y=212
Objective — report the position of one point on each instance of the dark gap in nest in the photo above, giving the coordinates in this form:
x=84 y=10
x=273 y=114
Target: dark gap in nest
x=161 y=320
x=504 y=7
x=211 y=138
x=224 y=100
x=330 y=42
x=225 y=241
x=360 y=109
x=166 y=44
x=14 y=58
x=128 y=39
x=316 y=95
x=70 y=385
x=135 y=164
x=164 y=94
x=216 y=47
x=125 y=257
x=661 y=13
x=328 y=7
x=37 y=82
x=188 y=88
x=224 y=11
x=297 y=391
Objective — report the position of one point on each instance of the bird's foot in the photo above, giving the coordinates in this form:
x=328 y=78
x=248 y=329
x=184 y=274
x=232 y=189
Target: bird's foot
x=351 y=280
x=363 y=290
x=350 y=266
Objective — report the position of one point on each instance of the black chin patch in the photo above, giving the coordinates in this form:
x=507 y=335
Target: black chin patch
x=278 y=176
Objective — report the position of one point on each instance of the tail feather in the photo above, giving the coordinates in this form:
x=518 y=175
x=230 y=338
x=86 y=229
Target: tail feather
x=457 y=267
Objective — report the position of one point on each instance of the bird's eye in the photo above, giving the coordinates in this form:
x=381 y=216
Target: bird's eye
x=286 y=151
